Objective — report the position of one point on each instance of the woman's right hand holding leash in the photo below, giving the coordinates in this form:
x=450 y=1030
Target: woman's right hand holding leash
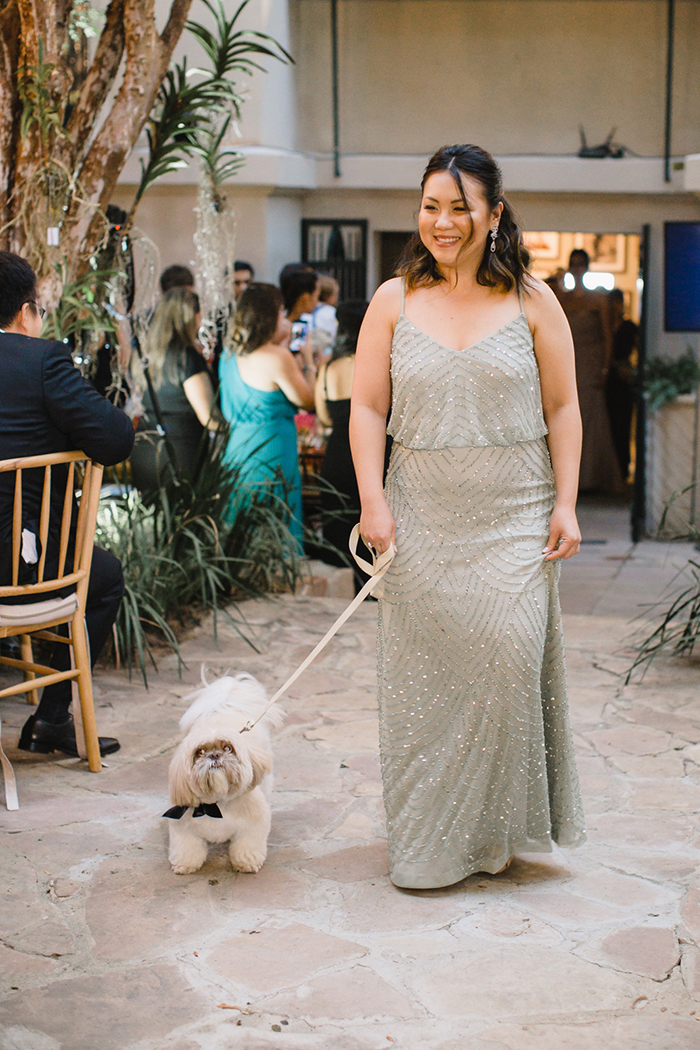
x=377 y=526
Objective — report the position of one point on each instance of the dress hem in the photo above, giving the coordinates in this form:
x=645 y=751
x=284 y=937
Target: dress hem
x=492 y=867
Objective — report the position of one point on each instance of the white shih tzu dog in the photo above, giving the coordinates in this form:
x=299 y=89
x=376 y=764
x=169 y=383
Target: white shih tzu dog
x=220 y=778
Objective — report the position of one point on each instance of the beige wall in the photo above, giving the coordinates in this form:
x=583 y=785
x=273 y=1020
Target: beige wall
x=516 y=76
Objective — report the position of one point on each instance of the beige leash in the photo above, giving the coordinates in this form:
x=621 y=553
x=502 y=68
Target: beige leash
x=376 y=571
x=11 y=800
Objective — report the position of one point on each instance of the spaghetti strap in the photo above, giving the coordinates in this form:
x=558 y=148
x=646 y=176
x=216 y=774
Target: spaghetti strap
x=403 y=294
x=520 y=297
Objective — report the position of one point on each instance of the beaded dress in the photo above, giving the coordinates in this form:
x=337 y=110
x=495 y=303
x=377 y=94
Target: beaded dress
x=476 y=749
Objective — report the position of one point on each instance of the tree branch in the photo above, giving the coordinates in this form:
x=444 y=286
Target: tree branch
x=100 y=77
x=147 y=60
x=176 y=23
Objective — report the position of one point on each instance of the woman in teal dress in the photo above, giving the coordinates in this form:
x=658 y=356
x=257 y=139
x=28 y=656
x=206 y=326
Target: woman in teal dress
x=262 y=386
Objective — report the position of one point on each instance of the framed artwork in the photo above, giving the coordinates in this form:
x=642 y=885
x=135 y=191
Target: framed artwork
x=542 y=245
x=607 y=251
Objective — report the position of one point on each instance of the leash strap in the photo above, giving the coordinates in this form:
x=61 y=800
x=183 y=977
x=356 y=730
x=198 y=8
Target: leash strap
x=376 y=571
x=11 y=800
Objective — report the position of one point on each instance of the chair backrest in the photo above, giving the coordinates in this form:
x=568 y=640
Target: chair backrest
x=73 y=569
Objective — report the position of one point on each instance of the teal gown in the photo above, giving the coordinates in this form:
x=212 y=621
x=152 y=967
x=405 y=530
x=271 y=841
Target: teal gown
x=263 y=438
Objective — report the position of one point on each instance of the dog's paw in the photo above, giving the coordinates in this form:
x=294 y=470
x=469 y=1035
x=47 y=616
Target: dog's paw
x=185 y=869
x=248 y=860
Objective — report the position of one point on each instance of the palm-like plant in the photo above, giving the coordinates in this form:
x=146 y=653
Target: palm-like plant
x=187 y=118
x=229 y=50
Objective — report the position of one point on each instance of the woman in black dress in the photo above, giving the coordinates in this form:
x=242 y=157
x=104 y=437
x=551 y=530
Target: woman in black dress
x=183 y=391
x=619 y=390
x=340 y=499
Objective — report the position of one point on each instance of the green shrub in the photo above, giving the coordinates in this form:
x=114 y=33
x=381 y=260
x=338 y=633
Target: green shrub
x=182 y=549
x=667 y=378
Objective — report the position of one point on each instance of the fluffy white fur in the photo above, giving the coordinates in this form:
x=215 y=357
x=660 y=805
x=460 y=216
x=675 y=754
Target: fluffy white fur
x=215 y=762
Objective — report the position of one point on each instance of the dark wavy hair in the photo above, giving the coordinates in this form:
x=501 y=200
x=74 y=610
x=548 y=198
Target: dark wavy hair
x=257 y=316
x=507 y=266
x=350 y=316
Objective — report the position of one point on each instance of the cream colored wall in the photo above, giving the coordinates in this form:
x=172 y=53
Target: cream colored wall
x=516 y=76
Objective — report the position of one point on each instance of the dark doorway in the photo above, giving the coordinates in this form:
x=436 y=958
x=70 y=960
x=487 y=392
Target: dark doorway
x=338 y=247
x=391 y=245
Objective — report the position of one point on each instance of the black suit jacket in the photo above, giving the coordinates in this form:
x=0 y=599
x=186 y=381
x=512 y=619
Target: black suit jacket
x=46 y=406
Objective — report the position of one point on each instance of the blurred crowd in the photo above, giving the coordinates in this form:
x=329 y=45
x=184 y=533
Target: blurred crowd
x=276 y=378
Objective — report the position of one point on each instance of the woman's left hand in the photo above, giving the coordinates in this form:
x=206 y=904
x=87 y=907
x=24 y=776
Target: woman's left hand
x=564 y=535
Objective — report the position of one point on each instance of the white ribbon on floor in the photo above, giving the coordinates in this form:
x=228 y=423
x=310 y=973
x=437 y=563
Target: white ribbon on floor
x=376 y=572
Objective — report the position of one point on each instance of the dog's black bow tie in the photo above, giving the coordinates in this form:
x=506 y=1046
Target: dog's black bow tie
x=204 y=809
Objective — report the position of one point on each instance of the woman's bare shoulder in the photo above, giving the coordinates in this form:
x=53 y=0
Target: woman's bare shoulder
x=540 y=301
x=386 y=301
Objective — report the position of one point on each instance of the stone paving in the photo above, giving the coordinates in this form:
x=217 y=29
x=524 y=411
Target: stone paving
x=103 y=948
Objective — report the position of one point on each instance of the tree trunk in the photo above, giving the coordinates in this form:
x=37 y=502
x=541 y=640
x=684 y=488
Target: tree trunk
x=63 y=170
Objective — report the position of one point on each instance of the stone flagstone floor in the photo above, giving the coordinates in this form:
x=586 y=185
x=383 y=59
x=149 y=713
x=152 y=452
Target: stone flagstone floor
x=103 y=948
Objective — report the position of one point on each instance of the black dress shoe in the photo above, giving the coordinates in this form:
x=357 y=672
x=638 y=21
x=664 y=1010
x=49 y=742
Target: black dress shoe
x=43 y=737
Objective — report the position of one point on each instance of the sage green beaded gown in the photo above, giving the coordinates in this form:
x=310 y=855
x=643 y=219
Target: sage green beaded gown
x=476 y=748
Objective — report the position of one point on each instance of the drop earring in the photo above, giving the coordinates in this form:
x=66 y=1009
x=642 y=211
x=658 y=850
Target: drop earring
x=494 y=235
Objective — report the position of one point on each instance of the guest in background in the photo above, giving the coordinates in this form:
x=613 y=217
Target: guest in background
x=243 y=274
x=324 y=318
x=47 y=406
x=183 y=391
x=556 y=280
x=299 y=287
x=176 y=277
x=262 y=386
x=619 y=391
x=340 y=501
x=588 y=317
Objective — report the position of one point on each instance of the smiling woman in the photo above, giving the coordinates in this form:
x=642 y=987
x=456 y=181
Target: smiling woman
x=475 y=360
x=451 y=221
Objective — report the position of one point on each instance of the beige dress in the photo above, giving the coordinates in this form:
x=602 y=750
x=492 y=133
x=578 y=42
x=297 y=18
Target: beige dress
x=476 y=750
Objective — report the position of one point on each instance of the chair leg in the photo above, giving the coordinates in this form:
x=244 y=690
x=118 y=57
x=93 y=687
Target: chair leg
x=87 y=708
x=25 y=643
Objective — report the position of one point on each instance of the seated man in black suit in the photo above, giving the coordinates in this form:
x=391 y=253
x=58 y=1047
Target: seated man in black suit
x=46 y=406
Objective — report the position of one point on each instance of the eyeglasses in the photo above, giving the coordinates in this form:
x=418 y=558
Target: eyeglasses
x=39 y=309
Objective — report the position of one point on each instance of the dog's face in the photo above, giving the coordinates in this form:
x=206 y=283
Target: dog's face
x=209 y=767
x=217 y=769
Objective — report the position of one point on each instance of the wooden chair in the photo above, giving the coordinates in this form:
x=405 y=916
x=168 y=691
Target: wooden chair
x=38 y=617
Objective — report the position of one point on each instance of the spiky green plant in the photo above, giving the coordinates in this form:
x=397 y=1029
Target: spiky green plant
x=679 y=630
x=187 y=115
x=229 y=50
x=84 y=305
x=174 y=126
x=184 y=549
